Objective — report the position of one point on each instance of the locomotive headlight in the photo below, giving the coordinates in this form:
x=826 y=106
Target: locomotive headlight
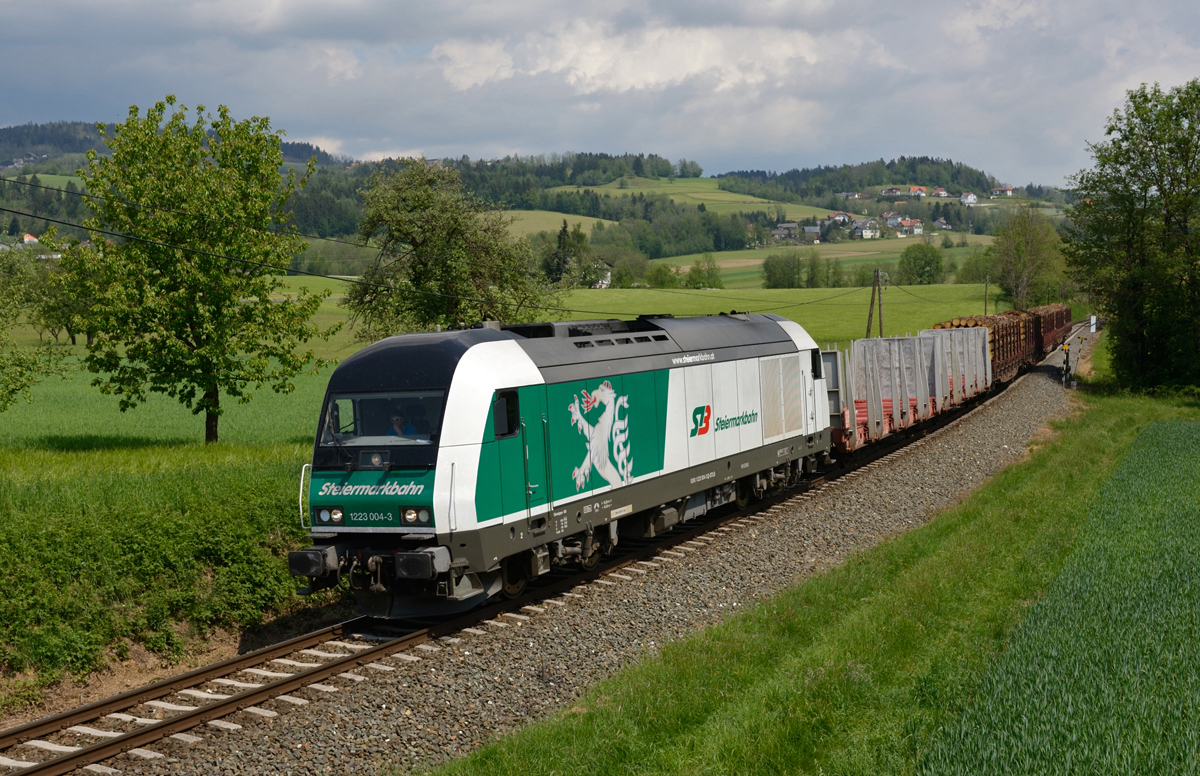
x=376 y=459
x=324 y=515
x=335 y=515
x=410 y=515
x=423 y=515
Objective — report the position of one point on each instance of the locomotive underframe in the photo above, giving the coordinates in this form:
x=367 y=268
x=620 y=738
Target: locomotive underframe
x=395 y=574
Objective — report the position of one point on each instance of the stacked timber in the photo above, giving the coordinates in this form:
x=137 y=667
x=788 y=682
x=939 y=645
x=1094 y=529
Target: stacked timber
x=1012 y=339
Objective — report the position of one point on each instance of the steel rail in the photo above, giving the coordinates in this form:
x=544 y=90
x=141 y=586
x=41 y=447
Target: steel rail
x=115 y=746
x=52 y=724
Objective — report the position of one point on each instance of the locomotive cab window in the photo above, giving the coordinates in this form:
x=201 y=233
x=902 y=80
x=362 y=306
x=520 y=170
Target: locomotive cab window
x=383 y=419
x=506 y=415
x=816 y=364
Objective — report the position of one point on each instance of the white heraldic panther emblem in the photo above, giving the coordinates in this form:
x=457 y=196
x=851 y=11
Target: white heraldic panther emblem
x=609 y=429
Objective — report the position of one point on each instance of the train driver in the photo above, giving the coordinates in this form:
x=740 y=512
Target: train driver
x=401 y=426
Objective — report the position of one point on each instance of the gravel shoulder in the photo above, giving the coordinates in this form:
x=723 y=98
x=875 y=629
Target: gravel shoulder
x=465 y=691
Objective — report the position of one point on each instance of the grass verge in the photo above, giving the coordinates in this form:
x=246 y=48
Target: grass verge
x=856 y=670
x=1101 y=676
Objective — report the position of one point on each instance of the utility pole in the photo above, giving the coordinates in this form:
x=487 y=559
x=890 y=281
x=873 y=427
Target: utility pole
x=987 y=281
x=879 y=280
x=871 y=308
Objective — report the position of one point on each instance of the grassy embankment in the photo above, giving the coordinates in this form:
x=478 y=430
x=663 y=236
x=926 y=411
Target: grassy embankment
x=857 y=670
x=119 y=529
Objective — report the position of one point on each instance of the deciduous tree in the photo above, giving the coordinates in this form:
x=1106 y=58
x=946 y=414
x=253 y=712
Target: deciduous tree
x=1134 y=240
x=198 y=311
x=920 y=265
x=1026 y=253
x=20 y=367
x=444 y=258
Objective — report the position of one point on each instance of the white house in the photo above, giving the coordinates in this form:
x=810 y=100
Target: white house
x=866 y=230
x=912 y=226
x=941 y=193
x=968 y=198
x=1002 y=191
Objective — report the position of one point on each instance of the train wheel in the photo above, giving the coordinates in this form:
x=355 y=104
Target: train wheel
x=743 y=494
x=513 y=577
x=587 y=564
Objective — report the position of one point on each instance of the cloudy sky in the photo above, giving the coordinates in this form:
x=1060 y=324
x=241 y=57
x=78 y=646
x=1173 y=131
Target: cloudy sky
x=1016 y=88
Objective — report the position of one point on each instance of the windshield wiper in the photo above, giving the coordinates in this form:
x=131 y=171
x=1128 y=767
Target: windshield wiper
x=341 y=447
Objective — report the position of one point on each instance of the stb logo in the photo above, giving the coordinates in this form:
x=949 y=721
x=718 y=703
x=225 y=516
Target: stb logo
x=700 y=419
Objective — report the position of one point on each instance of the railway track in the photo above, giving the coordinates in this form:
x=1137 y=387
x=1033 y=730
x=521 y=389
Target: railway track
x=210 y=695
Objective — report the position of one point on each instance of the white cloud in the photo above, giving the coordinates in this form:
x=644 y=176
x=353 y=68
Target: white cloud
x=465 y=64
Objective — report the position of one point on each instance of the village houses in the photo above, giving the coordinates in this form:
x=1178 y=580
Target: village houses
x=941 y=193
x=1002 y=191
x=968 y=198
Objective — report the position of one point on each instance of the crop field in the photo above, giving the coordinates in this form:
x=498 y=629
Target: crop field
x=1101 y=677
x=877 y=666
x=533 y=221
x=693 y=191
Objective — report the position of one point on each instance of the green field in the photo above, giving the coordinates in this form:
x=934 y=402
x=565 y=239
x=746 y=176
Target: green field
x=871 y=667
x=58 y=181
x=1103 y=672
x=693 y=191
x=534 y=221
x=743 y=269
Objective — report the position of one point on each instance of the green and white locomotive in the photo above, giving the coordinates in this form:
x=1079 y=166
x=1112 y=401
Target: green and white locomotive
x=450 y=467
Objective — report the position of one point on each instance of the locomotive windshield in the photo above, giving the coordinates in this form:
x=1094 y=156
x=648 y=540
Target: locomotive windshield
x=402 y=418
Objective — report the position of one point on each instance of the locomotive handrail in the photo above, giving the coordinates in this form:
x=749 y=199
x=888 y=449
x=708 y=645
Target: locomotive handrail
x=303 y=470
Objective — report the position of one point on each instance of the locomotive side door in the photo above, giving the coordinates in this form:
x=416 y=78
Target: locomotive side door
x=520 y=442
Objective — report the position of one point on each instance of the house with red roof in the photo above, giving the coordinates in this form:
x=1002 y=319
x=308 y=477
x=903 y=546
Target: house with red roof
x=916 y=191
x=911 y=226
x=941 y=193
x=1002 y=191
x=968 y=198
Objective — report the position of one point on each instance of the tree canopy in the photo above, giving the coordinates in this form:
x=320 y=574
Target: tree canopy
x=191 y=303
x=20 y=367
x=920 y=265
x=1134 y=236
x=1026 y=254
x=444 y=259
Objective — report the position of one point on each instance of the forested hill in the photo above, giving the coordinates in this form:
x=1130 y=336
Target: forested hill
x=517 y=181
x=53 y=139
x=814 y=182
x=76 y=137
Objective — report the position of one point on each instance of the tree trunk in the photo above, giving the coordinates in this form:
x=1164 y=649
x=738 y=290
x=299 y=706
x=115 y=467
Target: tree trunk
x=212 y=401
x=90 y=338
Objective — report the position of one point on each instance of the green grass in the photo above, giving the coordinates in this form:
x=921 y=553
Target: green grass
x=693 y=191
x=857 y=670
x=122 y=528
x=533 y=221
x=828 y=314
x=1101 y=677
x=58 y=181
x=743 y=269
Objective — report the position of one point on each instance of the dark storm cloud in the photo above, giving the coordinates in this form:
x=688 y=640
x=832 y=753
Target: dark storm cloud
x=1013 y=87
